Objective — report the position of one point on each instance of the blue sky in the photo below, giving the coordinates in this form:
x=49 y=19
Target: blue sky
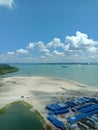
x=48 y=31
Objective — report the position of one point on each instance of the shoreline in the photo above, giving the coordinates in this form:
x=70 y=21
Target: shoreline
x=48 y=77
x=16 y=86
x=40 y=91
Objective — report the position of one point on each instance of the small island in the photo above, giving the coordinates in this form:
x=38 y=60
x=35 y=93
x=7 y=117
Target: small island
x=6 y=68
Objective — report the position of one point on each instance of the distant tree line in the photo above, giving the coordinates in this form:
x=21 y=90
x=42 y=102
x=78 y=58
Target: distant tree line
x=6 y=68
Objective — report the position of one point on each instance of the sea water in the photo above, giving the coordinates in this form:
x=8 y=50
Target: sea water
x=19 y=117
x=86 y=74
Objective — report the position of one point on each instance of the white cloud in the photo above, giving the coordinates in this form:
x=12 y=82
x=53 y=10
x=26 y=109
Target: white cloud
x=48 y=54
x=78 y=48
x=10 y=53
x=81 y=48
x=42 y=47
x=66 y=47
x=40 y=44
x=44 y=50
x=92 y=49
x=30 y=46
x=55 y=52
x=8 y=3
x=22 y=51
x=79 y=41
x=55 y=43
x=42 y=56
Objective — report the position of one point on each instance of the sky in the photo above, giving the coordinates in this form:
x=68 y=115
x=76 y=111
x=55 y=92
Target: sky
x=48 y=31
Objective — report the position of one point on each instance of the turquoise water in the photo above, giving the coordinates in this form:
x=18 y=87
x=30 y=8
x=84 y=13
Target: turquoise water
x=86 y=74
x=19 y=117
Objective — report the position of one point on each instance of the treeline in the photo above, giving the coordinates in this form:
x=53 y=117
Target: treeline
x=6 y=68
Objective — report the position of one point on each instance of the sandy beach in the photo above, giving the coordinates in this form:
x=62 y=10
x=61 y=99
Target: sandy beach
x=40 y=91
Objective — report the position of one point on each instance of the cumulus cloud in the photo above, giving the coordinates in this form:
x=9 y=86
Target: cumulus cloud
x=92 y=49
x=30 y=46
x=10 y=53
x=22 y=51
x=77 y=48
x=42 y=56
x=44 y=50
x=42 y=47
x=79 y=41
x=8 y=3
x=55 y=52
x=56 y=42
x=81 y=48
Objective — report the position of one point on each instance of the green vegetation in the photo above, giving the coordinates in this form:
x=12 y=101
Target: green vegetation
x=1 y=84
x=14 y=103
x=27 y=105
x=40 y=117
x=5 y=68
x=2 y=110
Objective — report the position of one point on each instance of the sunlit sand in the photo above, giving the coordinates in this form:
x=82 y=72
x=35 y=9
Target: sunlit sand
x=40 y=91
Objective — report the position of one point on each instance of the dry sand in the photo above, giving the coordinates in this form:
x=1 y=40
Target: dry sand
x=39 y=91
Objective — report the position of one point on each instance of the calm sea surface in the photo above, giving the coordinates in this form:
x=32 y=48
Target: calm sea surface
x=19 y=117
x=86 y=74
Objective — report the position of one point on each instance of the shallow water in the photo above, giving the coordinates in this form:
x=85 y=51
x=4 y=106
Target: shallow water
x=86 y=74
x=19 y=117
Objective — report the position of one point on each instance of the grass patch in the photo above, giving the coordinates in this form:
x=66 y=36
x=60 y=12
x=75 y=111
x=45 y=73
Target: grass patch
x=40 y=117
x=27 y=105
x=14 y=103
x=1 y=84
x=22 y=102
x=2 y=110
